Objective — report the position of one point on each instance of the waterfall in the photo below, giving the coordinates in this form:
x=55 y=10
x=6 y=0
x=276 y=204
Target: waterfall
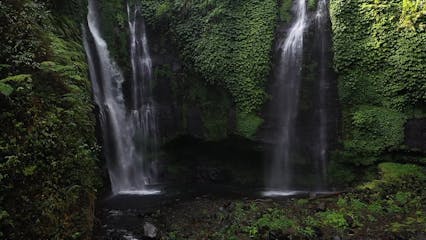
x=301 y=137
x=322 y=41
x=140 y=59
x=123 y=132
x=288 y=75
x=143 y=112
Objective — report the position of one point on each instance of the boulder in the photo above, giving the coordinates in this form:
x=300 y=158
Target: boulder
x=150 y=230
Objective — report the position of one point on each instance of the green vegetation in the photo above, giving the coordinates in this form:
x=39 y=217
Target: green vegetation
x=247 y=124
x=312 y=5
x=214 y=105
x=393 y=206
x=49 y=163
x=227 y=44
x=375 y=129
x=113 y=18
x=48 y=151
x=285 y=10
x=379 y=58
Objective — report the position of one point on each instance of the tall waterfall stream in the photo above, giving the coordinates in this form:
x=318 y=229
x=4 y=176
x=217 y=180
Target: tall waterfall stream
x=289 y=75
x=284 y=174
x=129 y=132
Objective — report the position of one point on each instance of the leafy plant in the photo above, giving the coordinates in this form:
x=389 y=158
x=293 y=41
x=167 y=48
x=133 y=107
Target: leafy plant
x=48 y=150
x=381 y=80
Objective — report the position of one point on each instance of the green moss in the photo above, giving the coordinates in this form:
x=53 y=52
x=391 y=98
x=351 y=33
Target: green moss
x=375 y=55
x=285 y=10
x=374 y=131
x=213 y=102
x=224 y=44
x=394 y=171
x=115 y=31
x=5 y=89
x=413 y=15
x=335 y=220
x=216 y=124
x=215 y=115
x=380 y=74
x=248 y=123
x=340 y=174
x=227 y=43
x=312 y=5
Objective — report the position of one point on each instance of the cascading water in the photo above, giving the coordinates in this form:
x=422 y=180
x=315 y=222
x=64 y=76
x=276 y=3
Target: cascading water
x=288 y=75
x=140 y=58
x=143 y=114
x=303 y=114
x=124 y=133
x=322 y=42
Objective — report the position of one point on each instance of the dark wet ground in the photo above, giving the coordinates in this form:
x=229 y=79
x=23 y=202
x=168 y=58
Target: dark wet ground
x=124 y=216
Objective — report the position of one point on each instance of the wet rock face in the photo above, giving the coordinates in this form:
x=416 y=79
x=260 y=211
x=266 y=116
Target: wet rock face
x=130 y=224
x=415 y=134
x=276 y=235
x=212 y=174
x=234 y=161
x=150 y=230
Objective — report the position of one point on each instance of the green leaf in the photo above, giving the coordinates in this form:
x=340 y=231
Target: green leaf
x=6 y=89
x=29 y=170
x=16 y=78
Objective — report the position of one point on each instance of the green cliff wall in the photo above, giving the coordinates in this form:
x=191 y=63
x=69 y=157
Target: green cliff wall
x=48 y=152
x=380 y=56
x=227 y=45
